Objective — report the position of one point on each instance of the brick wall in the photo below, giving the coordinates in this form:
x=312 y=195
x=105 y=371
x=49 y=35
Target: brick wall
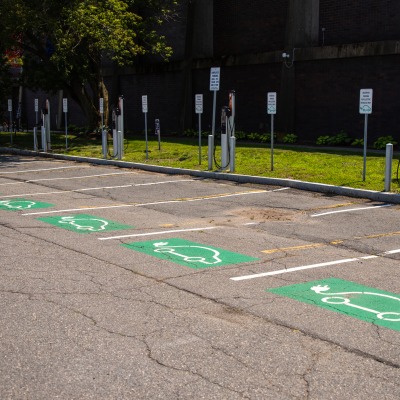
x=326 y=90
x=327 y=96
x=354 y=21
x=248 y=26
x=163 y=91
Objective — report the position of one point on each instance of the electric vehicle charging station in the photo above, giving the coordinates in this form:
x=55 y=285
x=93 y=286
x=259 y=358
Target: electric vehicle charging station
x=228 y=140
x=45 y=131
x=118 y=129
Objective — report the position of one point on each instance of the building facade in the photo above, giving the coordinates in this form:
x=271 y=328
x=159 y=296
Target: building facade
x=335 y=49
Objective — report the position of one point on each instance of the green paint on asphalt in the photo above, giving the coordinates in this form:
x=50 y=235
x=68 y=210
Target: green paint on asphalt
x=190 y=254
x=22 y=204
x=362 y=302
x=84 y=223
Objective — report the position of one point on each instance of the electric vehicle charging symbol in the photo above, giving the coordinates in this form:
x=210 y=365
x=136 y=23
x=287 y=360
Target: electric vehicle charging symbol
x=163 y=247
x=340 y=298
x=190 y=254
x=17 y=204
x=365 y=303
x=85 y=224
x=365 y=109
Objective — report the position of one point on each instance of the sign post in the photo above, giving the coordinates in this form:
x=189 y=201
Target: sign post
x=271 y=109
x=10 y=129
x=199 y=111
x=145 y=110
x=103 y=131
x=365 y=108
x=65 y=111
x=214 y=87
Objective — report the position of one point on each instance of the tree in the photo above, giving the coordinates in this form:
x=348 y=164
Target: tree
x=65 y=43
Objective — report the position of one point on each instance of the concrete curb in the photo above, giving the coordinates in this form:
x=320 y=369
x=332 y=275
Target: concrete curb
x=295 y=184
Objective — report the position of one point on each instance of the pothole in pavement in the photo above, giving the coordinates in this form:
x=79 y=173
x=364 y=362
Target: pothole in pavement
x=266 y=214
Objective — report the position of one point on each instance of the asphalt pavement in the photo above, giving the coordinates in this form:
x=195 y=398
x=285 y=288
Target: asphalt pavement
x=122 y=283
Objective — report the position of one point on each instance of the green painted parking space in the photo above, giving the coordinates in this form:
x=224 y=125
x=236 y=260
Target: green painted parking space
x=190 y=254
x=22 y=204
x=349 y=298
x=84 y=223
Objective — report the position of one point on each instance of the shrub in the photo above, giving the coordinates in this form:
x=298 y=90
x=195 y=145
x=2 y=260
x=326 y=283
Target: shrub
x=382 y=141
x=190 y=133
x=357 y=142
x=339 y=139
x=290 y=138
x=240 y=135
x=323 y=140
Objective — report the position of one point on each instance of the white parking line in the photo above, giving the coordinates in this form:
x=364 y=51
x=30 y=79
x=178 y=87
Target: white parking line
x=160 y=233
x=210 y=197
x=42 y=169
x=351 y=209
x=319 y=265
x=93 y=188
x=72 y=177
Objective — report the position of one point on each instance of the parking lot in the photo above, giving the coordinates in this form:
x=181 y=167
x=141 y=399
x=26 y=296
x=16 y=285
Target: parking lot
x=120 y=283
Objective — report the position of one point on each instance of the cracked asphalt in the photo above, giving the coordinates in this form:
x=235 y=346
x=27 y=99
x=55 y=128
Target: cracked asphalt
x=83 y=317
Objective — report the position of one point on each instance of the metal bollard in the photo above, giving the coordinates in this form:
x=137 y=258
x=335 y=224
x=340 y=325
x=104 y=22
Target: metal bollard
x=232 y=154
x=210 y=151
x=388 y=167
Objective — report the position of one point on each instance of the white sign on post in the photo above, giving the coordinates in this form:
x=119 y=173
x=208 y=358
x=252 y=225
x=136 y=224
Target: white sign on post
x=65 y=105
x=214 y=78
x=366 y=101
x=144 y=104
x=9 y=105
x=36 y=105
x=199 y=103
x=101 y=105
x=271 y=106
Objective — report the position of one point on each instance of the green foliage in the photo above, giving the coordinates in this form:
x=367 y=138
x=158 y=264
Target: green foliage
x=5 y=79
x=190 y=133
x=240 y=135
x=290 y=138
x=195 y=133
x=339 y=139
x=64 y=42
x=75 y=129
x=357 y=142
x=254 y=137
x=323 y=140
x=333 y=166
x=382 y=141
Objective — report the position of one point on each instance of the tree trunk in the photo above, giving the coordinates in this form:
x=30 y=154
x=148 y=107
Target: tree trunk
x=88 y=99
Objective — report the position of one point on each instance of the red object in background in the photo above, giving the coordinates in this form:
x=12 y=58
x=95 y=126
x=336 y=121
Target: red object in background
x=14 y=54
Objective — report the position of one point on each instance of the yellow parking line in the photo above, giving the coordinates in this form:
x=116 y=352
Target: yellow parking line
x=303 y=247
x=332 y=243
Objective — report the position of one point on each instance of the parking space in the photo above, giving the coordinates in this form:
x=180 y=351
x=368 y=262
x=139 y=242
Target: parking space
x=271 y=253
